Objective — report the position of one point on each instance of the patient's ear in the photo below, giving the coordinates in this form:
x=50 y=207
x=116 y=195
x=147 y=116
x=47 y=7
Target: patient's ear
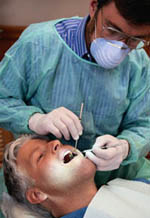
x=35 y=196
x=93 y=7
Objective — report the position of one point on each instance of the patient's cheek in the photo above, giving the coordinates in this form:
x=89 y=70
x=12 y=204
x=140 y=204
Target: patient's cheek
x=58 y=176
x=61 y=175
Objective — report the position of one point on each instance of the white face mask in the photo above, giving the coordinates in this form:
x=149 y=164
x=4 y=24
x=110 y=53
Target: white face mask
x=108 y=53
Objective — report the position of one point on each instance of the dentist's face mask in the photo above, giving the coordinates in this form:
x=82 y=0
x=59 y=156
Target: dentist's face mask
x=108 y=53
x=110 y=50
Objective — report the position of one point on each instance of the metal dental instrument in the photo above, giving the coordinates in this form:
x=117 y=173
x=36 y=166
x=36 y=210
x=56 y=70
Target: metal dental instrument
x=103 y=147
x=80 y=117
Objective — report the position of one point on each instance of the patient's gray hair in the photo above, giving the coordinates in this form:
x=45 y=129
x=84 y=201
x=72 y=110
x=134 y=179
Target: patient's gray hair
x=17 y=183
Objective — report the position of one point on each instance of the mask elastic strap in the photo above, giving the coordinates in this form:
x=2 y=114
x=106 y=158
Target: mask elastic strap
x=95 y=28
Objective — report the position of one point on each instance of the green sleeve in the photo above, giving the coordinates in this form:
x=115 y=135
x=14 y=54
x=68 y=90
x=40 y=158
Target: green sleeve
x=17 y=86
x=135 y=127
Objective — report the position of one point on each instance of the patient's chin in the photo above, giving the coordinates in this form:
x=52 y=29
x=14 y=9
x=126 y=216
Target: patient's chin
x=88 y=167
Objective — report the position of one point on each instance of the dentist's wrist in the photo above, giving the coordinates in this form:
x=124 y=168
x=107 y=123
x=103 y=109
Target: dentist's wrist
x=126 y=148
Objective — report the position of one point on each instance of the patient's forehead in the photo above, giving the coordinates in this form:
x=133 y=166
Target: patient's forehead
x=30 y=144
x=28 y=148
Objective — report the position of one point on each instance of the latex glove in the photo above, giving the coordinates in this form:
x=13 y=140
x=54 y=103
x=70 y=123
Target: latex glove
x=60 y=122
x=110 y=158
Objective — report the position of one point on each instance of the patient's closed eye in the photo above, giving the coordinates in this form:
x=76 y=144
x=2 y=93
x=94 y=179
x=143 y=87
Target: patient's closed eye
x=40 y=157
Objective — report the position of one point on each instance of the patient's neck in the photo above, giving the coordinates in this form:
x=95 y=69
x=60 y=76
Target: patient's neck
x=72 y=200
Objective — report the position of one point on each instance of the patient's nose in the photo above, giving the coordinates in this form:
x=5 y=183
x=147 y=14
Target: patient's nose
x=56 y=145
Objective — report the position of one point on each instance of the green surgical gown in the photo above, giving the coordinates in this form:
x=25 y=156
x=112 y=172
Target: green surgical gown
x=40 y=73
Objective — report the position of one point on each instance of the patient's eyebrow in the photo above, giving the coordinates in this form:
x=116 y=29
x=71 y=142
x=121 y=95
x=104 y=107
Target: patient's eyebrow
x=31 y=156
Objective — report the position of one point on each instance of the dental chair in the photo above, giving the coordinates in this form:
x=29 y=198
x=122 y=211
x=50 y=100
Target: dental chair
x=5 y=137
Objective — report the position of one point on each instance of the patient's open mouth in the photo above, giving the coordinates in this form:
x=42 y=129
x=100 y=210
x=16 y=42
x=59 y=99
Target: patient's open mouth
x=69 y=155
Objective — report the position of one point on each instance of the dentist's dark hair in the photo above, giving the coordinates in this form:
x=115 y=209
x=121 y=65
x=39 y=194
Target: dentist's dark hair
x=136 y=12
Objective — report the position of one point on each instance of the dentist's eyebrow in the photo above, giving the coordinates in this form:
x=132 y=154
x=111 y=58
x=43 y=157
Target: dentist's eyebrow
x=109 y=23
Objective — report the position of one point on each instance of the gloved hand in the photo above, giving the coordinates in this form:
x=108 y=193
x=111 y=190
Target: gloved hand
x=60 y=121
x=110 y=158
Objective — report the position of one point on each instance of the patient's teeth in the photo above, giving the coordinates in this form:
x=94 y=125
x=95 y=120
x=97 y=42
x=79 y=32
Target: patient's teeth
x=68 y=156
x=67 y=152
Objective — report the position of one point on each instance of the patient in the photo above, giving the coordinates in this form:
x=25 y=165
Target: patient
x=54 y=180
x=45 y=174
